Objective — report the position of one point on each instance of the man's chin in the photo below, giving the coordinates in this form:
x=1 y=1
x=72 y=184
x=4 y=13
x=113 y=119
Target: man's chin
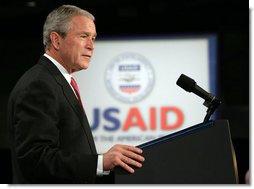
x=84 y=67
x=79 y=69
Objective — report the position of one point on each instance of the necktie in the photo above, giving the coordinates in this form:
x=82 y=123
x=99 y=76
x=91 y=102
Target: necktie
x=76 y=89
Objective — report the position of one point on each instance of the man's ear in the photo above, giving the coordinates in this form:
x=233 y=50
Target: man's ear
x=55 y=40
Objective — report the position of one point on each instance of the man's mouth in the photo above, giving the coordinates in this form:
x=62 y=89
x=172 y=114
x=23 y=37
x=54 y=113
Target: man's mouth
x=86 y=55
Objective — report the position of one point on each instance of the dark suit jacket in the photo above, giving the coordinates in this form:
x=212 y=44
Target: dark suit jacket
x=51 y=141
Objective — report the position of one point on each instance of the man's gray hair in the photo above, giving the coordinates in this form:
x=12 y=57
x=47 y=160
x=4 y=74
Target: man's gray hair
x=59 y=21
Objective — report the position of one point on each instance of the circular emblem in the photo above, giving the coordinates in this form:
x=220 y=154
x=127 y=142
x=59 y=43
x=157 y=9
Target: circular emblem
x=129 y=77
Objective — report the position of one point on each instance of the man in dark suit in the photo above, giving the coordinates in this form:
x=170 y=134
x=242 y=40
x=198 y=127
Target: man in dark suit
x=51 y=141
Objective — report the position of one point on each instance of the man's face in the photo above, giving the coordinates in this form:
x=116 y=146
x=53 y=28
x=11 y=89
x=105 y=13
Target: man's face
x=76 y=49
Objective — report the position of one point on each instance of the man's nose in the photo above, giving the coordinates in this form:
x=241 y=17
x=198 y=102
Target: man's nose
x=90 y=44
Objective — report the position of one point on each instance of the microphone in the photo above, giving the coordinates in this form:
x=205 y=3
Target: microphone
x=190 y=85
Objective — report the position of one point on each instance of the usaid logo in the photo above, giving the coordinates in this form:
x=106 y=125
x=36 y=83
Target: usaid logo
x=129 y=77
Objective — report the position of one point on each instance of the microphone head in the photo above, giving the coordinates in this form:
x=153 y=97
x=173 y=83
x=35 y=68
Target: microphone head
x=186 y=83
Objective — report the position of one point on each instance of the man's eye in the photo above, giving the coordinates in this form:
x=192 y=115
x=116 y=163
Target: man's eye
x=83 y=36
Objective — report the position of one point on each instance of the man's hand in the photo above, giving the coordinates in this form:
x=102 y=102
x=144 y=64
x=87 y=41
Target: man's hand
x=123 y=156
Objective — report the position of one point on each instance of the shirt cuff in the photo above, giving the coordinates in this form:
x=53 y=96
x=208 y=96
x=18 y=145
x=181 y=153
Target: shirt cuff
x=100 y=171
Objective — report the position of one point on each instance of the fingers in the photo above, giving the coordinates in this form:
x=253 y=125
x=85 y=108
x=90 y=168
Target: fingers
x=129 y=158
x=132 y=148
x=132 y=152
x=126 y=167
x=124 y=156
x=131 y=155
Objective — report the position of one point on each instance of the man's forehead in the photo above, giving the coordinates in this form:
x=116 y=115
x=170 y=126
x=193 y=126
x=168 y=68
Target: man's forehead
x=84 y=24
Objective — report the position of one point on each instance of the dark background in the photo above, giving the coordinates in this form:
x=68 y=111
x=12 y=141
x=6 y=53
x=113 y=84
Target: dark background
x=21 y=45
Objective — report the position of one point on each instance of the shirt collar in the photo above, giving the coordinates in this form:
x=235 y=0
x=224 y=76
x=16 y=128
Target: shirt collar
x=64 y=72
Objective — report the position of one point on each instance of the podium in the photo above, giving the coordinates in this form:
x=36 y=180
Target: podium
x=201 y=154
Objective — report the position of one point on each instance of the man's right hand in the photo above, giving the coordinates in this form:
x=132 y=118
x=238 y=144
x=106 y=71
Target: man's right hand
x=123 y=156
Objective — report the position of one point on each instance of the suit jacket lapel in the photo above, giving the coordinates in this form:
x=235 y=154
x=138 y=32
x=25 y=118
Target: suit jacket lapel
x=69 y=94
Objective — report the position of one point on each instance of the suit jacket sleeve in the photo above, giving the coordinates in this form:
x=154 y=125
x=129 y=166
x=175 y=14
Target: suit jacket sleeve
x=39 y=148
